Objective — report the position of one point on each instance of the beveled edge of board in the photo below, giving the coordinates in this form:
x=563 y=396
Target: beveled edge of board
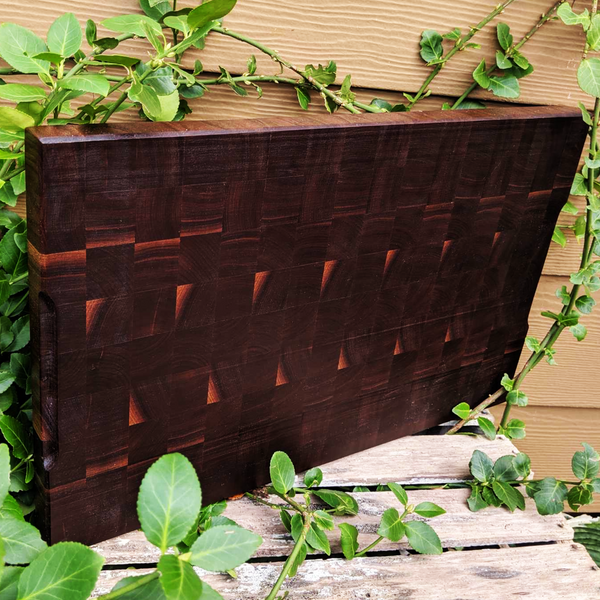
x=47 y=135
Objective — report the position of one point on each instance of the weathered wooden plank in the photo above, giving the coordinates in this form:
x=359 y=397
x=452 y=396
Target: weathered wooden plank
x=412 y=460
x=458 y=528
x=376 y=42
x=561 y=571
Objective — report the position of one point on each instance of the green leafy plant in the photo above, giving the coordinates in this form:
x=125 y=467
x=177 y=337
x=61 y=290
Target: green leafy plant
x=577 y=301
x=494 y=483
x=308 y=514
x=169 y=511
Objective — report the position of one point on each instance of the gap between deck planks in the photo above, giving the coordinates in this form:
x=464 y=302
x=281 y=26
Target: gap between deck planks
x=410 y=460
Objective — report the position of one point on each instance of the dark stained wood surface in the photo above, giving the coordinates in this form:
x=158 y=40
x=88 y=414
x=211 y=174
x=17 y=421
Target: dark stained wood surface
x=312 y=285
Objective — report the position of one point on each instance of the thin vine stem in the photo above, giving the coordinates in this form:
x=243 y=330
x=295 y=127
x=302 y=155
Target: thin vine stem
x=292 y=557
x=288 y=65
x=511 y=51
x=460 y=45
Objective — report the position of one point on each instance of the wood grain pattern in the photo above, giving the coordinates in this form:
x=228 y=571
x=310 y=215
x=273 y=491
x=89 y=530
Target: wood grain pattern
x=313 y=286
x=379 y=46
x=561 y=571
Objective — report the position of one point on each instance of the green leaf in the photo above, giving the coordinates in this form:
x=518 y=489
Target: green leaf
x=490 y=497
x=168 y=108
x=64 y=36
x=282 y=471
x=505 y=38
x=20 y=92
x=480 y=75
x=169 y=500
x=579 y=331
x=323 y=520
x=462 y=410
x=596 y=485
x=224 y=548
x=93 y=83
x=18 y=46
x=422 y=538
x=17 y=435
x=563 y=294
x=399 y=492
x=507 y=383
x=505 y=87
x=4 y=472
x=13 y=120
x=209 y=593
x=504 y=469
x=131 y=24
x=429 y=510
x=588 y=76
x=515 y=429
x=90 y=32
x=391 y=526
x=593 y=33
x=488 y=428
x=22 y=541
x=194 y=91
x=321 y=74
x=517 y=397
x=20 y=365
x=579 y=186
x=343 y=503
x=149 y=591
x=502 y=62
x=146 y=96
x=585 y=464
x=66 y=570
x=209 y=11
x=585 y=304
x=313 y=477
x=568 y=17
x=303 y=97
x=6 y=335
x=579 y=496
x=521 y=61
x=475 y=500
x=558 y=237
x=349 y=540
x=452 y=35
x=20 y=330
x=9 y=583
x=481 y=466
x=10 y=509
x=506 y=494
x=7 y=378
x=522 y=464
x=178 y=579
x=431 y=45
x=317 y=539
x=550 y=496
x=157 y=11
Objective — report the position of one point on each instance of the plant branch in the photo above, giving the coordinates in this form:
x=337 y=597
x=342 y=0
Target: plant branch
x=511 y=51
x=460 y=45
x=288 y=65
x=291 y=558
x=477 y=410
x=369 y=547
x=272 y=505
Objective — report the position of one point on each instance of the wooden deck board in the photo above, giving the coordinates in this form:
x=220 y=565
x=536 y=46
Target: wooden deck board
x=458 y=528
x=546 y=564
x=556 y=571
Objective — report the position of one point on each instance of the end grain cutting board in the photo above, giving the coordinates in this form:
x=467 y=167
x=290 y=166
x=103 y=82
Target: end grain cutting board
x=316 y=285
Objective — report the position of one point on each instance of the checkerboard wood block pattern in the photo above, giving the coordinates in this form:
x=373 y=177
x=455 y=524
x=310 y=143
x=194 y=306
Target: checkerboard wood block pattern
x=313 y=285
